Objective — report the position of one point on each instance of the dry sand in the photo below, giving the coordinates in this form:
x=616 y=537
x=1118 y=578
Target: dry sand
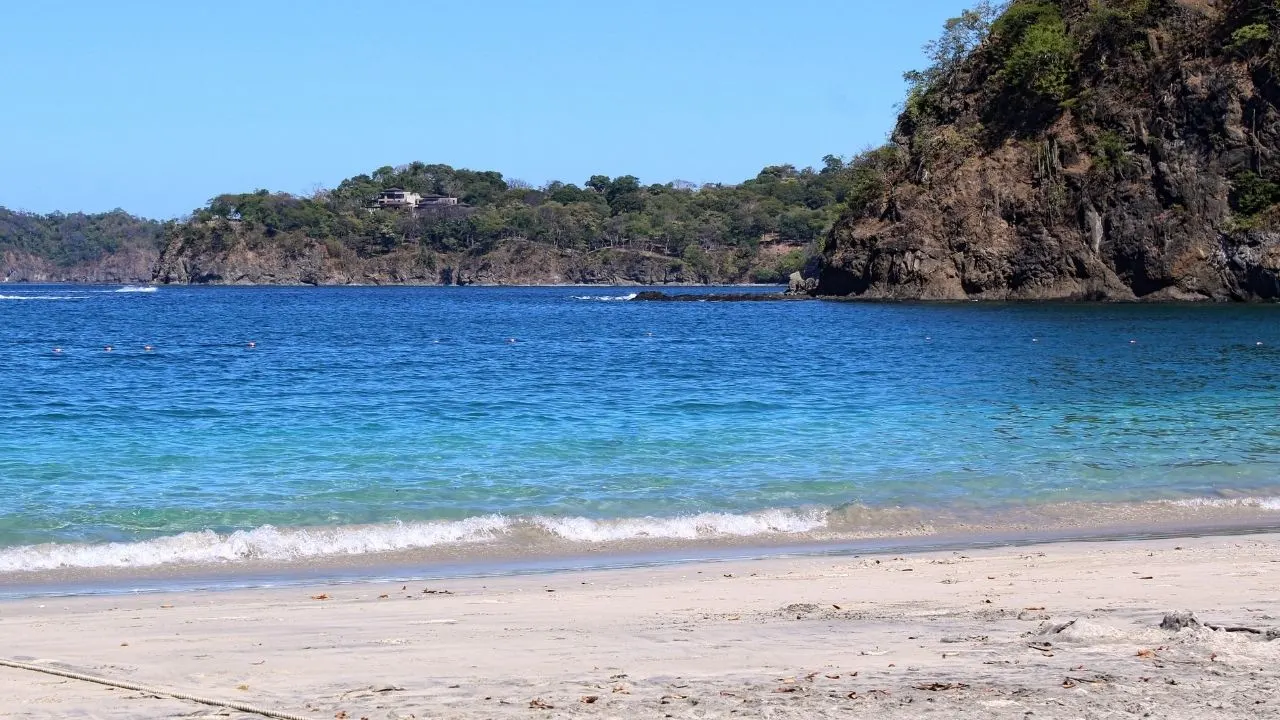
x=954 y=634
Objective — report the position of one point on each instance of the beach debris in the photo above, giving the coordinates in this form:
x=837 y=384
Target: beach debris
x=588 y=699
x=966 y=638
x=940 y=686
x=1055 y=629
x=1042 y=646
x=800 y=609
x=1146 y=653
x=321 y=596
x=1071 y=681
x=621 y=690
x=787 y=689
x=341 y=715
x=429 y=591
x=540 y=704
x=1179 y=620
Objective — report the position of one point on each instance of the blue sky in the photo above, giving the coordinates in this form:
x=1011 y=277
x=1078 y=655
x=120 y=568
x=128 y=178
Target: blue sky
x=157 y=106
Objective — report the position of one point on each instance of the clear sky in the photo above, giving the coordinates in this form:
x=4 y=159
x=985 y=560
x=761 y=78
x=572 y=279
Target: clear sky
x=157 y=106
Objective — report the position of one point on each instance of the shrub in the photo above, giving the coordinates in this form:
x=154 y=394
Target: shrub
x=1039 y=56
x=1252 y=194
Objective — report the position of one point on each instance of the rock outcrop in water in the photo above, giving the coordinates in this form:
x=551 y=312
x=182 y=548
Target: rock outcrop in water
x=1082 y=149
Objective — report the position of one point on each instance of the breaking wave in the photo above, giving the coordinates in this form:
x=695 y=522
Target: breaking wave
x=606 y=298
x=509 y=535
x=137 y=289
x=269 y=543
x=43 y=297
x=1255 y=503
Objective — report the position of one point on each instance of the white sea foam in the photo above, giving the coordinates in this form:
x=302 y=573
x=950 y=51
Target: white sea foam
x=137 y=289
x=1259 y=503
x=43 y=297
x=270 y=543
x=685 y=527
x=263 y=543
x=606 y=298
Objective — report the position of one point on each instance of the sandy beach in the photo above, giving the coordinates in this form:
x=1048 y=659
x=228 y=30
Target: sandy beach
x=1060 y=630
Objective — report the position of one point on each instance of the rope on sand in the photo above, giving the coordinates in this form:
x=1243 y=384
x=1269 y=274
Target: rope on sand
x=230 y=704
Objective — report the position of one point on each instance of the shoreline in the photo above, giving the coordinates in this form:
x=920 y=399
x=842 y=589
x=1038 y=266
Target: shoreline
x=519 y=554
x=1057 y=630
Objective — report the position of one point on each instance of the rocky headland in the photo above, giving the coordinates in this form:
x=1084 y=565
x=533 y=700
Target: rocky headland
x=1076 y=149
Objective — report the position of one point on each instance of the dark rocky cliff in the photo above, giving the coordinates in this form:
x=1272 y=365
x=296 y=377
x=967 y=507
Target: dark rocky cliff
x=1084 y=149
x=130 y=265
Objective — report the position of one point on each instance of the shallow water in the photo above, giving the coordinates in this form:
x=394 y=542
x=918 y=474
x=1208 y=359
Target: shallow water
x=368 y=420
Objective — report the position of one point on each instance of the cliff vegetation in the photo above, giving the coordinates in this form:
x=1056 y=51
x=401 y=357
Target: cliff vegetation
x=1085 y=149
x=112 y=247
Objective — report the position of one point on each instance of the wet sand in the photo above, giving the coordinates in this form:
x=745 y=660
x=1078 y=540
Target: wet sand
x=933 y=634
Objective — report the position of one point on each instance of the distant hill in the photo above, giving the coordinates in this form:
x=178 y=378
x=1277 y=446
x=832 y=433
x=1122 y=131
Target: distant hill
x=479 y=227
x=112 y=247
x=1092 y=149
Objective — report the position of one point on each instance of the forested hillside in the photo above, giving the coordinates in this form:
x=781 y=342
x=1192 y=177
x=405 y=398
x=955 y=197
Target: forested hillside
x=75 y=247
x=505 y=231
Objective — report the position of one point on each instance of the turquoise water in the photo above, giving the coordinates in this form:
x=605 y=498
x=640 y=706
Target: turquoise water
x=373 y=419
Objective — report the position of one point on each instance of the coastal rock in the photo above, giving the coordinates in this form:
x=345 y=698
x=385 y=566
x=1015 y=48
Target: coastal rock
x=798 y=284
x=1179 y=620
x=223 y=255
x=1152 y=175
x=129 y=265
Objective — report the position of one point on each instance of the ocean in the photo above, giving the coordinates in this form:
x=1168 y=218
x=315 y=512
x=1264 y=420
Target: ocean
x=317 y=427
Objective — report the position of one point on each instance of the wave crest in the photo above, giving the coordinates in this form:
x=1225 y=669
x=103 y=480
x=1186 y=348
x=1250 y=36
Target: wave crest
x=269 y=543
x=606 y=298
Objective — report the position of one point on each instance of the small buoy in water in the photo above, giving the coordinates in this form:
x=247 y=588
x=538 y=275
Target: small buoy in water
x=1035 y=339
x=928 y=337
x=57 y=351
x=147 y=348
x=648 y=334
x=253 y=344
x=1133 y=342
x=511 y=341
x=108 y=348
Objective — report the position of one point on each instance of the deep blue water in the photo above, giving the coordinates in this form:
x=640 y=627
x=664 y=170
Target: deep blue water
x=605 y=419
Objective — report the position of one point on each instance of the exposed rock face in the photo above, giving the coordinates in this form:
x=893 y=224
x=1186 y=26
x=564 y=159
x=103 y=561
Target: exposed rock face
x=310 y=262
x=128 y=266
x=1123 y=191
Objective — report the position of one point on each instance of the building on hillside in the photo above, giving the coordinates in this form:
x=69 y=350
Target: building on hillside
x=401 y=199
x=397 y=198
x=436 y=201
